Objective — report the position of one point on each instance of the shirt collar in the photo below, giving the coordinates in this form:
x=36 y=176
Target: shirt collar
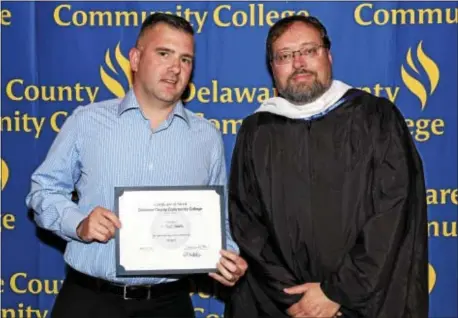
x=282 y=107
x=130 y=102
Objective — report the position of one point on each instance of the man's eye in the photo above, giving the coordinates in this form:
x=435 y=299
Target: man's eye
x=284 y=56
x=310 y=51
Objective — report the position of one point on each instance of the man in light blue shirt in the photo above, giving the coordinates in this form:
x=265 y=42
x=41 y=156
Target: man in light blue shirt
x=145 y=139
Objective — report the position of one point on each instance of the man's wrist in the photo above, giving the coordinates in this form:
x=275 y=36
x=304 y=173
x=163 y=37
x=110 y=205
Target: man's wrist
x=71 y=219
x=78 y=230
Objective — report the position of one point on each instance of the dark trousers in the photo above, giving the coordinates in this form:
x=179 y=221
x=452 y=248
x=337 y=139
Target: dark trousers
x=79 y=298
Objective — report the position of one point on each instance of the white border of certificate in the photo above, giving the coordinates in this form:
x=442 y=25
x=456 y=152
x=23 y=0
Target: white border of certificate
x=169 y=230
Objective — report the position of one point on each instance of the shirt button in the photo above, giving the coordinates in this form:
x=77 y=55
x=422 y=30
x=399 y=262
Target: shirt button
x=150 y=166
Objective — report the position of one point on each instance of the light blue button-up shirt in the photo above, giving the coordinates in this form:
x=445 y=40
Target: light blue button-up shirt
x=109 y=144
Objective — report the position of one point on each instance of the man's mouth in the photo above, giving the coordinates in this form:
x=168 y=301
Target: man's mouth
x=302 y=76
x=170 y=81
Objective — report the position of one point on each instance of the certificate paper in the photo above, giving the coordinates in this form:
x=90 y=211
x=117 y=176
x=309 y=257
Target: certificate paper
x=169 y=230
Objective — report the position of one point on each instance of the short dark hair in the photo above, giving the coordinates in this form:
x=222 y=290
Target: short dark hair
x=171 y=20
x=282 y=25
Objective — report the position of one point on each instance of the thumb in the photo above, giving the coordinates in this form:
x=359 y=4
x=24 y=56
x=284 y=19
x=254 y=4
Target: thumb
x=299 y=289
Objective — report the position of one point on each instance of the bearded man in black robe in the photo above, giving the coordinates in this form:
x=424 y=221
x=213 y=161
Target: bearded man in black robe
x=327 y=194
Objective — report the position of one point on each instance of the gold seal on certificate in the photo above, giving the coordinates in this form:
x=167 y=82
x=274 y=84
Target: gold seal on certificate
x=169 y=230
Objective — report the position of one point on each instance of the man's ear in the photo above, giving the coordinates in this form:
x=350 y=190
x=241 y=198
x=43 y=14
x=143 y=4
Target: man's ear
x=134 y=58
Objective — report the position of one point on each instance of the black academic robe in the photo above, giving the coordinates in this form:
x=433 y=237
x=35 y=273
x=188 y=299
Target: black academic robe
x=338 y=200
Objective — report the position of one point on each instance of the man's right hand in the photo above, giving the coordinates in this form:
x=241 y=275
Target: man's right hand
x=314 y=303
x=99 y=225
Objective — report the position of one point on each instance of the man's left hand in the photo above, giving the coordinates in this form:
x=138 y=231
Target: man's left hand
x=230 y=268
x=314 y=303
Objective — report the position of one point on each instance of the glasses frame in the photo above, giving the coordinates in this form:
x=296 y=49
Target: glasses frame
x=292 y=54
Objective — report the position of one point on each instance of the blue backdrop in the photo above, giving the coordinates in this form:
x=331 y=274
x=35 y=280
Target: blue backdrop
x=58 y=55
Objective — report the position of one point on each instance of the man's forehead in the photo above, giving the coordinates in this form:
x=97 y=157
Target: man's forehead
x=297 y=34
x=163 y=32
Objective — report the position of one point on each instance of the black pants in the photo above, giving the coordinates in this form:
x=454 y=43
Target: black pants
x=77 y=300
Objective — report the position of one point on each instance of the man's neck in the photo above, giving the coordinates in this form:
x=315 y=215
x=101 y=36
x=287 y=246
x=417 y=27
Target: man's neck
x=155 y=111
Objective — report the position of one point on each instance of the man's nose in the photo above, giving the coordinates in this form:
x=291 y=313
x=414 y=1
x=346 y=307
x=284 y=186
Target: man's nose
x=175 y=66
x=299 y=60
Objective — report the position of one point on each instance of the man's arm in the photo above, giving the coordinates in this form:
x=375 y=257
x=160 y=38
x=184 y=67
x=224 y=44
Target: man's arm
x=53 y=182
x=393 y=243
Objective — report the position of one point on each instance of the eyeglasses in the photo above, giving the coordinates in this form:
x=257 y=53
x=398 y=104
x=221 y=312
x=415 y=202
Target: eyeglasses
x=286 y=57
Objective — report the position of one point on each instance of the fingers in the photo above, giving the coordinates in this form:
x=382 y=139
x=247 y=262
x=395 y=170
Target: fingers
x=99 y=225
x=106 y=229
x=230 y=266
x=299 y=289
x=95 y=230
x=234 y=257
x=112 y=217
x=324 y=310
x=241 y=263
x=222 y=279
x=224 y=271
x=313 y=303
x=105 y=223
x=334 y=311
x=100 y=234
x=235 y=264
x=298 y=310
x=230 y=261
x=294 y=310
x=102 y=224
x=299 y=314
x=229 y=255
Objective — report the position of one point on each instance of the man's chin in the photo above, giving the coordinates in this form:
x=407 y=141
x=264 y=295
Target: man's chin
x=169 y=98
x=302 y=91
x=303 y=88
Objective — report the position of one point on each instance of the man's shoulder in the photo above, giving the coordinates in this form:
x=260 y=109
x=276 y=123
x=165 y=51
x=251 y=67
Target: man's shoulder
x=377 y=109
x=372 y=104
x=205 y=134
x=200 y=124
x=255 y=120
x=108 y=106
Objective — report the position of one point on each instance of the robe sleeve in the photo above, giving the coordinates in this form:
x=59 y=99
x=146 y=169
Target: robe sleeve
x=249 y=230
x=386 y=270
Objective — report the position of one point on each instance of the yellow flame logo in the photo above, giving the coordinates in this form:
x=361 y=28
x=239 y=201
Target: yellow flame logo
x=431 y=69
x=431 y=278
x=113 y=85
x=5 y=174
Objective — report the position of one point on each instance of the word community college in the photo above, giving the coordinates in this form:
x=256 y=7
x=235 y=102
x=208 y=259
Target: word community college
x=222 y=16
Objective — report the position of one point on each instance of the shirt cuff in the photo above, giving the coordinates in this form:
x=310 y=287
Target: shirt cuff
x=71 y=218
x=232 y=246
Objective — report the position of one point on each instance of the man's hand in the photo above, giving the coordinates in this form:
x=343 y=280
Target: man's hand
x=230 y=267
x=314 y=303
x=99 y=225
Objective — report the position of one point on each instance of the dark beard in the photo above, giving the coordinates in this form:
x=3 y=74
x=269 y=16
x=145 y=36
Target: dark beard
x=304 y=93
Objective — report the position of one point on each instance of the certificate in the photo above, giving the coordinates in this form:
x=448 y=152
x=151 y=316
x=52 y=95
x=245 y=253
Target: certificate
x=169 y=230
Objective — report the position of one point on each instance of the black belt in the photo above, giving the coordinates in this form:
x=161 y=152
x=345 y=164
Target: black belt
x=126 y=291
